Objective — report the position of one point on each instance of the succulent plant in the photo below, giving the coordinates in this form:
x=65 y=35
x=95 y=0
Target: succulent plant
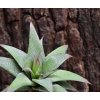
x=35 y=70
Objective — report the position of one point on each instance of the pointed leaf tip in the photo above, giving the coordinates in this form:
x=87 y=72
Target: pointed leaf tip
x=35 y=44
x=62 y=75
x=60 y=50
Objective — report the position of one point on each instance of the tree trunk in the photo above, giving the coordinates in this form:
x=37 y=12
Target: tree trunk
x=79 y=28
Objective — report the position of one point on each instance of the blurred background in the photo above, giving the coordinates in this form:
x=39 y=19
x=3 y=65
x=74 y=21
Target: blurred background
x=78 y=28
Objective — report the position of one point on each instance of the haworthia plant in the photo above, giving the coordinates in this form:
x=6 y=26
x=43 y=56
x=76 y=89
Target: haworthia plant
x=37 y=71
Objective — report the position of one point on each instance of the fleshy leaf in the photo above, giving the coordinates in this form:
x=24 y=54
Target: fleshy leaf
x=58 y=88
x=42 y=52
x=29 y=58
x=28 y=72
x=46 y=83
x=53 y=62
x=9 y=65
x=37 y=65
x=67 y=86
x=5 y=89
x=35 y=46
x=17 y=54
x=28 y=62
x=42 y=89
x=62 y=75
x=59 y=50
x=23 y=89
x=47 y=74
x=20 y=81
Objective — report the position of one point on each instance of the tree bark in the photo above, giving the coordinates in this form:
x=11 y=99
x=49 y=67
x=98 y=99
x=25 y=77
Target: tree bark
x=79 y=28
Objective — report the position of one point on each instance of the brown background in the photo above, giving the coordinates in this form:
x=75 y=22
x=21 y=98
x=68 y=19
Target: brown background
x=79 y=28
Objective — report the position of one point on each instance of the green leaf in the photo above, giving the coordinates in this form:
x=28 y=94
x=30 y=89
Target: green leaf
x=37 y=66
x=28 y=61
x=35 y=45
x=42 y=89
x=58 y=88
x=47 y=74
x=46 y=83
x=30 y=57
x=59 y=50
x=23 y=89
x=9 y=65
x=17 y=54
x=62 y=75
x=5 y=89
x=20 y=81
x=53 y=62
x=42 y=51
x=67 y=86
x=28 y=72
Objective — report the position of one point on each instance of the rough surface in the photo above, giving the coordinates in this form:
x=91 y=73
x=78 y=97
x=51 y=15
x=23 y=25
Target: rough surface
x=79 y=28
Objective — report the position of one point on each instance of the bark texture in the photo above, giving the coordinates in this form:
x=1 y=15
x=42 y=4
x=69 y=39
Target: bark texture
x=79 y=28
